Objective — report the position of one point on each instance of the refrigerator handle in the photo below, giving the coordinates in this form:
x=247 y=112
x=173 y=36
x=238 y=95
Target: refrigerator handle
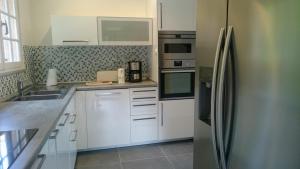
x=213 y=96
x=220 y=109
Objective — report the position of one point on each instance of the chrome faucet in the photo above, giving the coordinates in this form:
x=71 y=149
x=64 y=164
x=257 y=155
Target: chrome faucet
x=20 y=87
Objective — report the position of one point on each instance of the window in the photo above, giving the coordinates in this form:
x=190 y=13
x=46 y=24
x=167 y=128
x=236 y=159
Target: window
x=10 y=50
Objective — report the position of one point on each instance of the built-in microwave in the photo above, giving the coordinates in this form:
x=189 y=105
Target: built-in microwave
x=177 y=45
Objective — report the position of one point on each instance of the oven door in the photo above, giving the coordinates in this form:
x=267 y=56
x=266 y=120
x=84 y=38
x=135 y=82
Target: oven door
x=176 y=84
x=177 y=48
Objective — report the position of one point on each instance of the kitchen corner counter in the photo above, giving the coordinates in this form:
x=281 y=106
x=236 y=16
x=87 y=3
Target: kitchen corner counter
x=44 y=116
x=117 y=86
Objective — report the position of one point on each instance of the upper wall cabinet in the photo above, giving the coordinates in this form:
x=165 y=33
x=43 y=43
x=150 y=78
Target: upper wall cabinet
x=124 y=31
x=74 y=30
x=177 y=15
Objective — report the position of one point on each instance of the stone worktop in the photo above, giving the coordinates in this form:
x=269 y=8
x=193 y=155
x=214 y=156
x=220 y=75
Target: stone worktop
x=44 y=115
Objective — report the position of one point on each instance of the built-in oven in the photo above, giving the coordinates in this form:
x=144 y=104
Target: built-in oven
x=177 y=84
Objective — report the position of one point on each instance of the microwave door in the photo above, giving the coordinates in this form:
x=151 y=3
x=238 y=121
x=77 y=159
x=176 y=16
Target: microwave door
x=177 y=49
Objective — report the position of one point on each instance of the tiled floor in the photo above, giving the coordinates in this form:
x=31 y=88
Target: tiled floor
x=177 y=155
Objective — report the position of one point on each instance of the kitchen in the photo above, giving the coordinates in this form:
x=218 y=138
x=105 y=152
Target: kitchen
x=154 y=84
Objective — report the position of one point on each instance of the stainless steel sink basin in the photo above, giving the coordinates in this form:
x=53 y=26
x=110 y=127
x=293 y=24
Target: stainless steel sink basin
x=42 y=93
x=37 y=97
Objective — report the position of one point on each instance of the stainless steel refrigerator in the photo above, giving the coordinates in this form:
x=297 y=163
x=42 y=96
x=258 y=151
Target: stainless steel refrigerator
x=247 y=85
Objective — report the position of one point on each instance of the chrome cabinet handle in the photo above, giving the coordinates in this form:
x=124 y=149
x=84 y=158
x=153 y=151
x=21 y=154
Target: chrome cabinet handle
x=107 y=94
x=213 y=97
x=162 y=114
x=150 y=118
x=143 y=105
x=141 y=91
x=74 y=119
x=220 y=98
x=65 y=120
x=141 y=98
x=54 y=134
x=161 y=15
x=178 y=71
x=70 y=41
x=75 y=136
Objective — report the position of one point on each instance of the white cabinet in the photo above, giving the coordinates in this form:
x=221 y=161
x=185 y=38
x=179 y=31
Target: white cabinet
x=47 y=156
x=144 y=111
x=74 y=30
x=177 y=15
x=176 y=119
x=124 y=31
x=108 y=118
x=81 y=120
x=144 y=128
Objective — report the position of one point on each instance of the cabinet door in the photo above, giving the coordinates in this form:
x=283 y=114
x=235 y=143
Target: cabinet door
x=62 y=140
x=72 y=130
x=108 y=118
x=124 y=31
x=74 y=30
x=144 y=128
x=176 y=119
x=177 y=15
x=81 y=121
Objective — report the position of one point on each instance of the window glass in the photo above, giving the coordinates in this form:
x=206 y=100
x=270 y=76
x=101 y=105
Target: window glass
x=5 y=26
x=10 y=51
x=7 y=51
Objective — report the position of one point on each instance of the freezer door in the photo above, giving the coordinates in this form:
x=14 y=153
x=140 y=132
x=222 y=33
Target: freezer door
x=211 y=18
x=266 y=51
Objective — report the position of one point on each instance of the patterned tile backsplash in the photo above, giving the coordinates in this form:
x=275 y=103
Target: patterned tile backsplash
x=8 y=83
x=81 y=63
x=73 y=63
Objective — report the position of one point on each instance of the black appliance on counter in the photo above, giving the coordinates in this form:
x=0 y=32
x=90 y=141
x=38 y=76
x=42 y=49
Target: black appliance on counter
x=135 y=71
x=12 y=143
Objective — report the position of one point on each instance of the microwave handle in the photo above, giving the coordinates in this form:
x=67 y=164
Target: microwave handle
x=178 y=71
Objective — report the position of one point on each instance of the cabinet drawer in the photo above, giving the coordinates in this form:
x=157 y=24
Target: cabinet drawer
x=143 y=94
x=144 y=128
x=144 y=108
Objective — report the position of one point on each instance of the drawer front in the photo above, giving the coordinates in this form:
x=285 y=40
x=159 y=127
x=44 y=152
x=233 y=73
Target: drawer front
x=144 y=128
x=144 y=108
x=143 y=94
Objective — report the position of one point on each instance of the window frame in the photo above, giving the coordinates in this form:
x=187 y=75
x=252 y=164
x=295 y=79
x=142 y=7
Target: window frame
x=11 y=66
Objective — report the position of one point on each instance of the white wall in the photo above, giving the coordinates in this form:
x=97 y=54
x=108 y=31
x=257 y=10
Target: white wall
x=25 y=21
x=41 y=11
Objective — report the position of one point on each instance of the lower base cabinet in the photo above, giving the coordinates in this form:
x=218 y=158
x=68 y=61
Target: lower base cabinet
x=144 y=128
x=60 y=150
x=108 y=118
x=176 y=119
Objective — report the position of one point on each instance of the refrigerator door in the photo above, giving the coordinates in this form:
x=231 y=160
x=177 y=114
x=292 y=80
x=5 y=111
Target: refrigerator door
x=211 y=18
x=266 y=51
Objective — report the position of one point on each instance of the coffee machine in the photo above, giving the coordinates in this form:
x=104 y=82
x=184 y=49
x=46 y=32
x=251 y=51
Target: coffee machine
x=135 y=71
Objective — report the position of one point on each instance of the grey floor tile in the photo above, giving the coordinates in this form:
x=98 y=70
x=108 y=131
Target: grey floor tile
x=140 y=152
x=157 y=163
x=96 y=158
x=109 y=166
x=177 y=148
x=182 y=161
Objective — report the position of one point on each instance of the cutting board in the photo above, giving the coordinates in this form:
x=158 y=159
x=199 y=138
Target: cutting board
x=98 y=83
x=107 y=76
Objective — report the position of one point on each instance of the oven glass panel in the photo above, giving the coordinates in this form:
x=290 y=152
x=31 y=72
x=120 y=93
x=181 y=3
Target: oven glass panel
x=176 y=85
x=178 y=48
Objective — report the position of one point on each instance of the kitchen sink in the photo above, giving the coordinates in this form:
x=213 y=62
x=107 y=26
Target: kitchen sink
x=42 y=93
